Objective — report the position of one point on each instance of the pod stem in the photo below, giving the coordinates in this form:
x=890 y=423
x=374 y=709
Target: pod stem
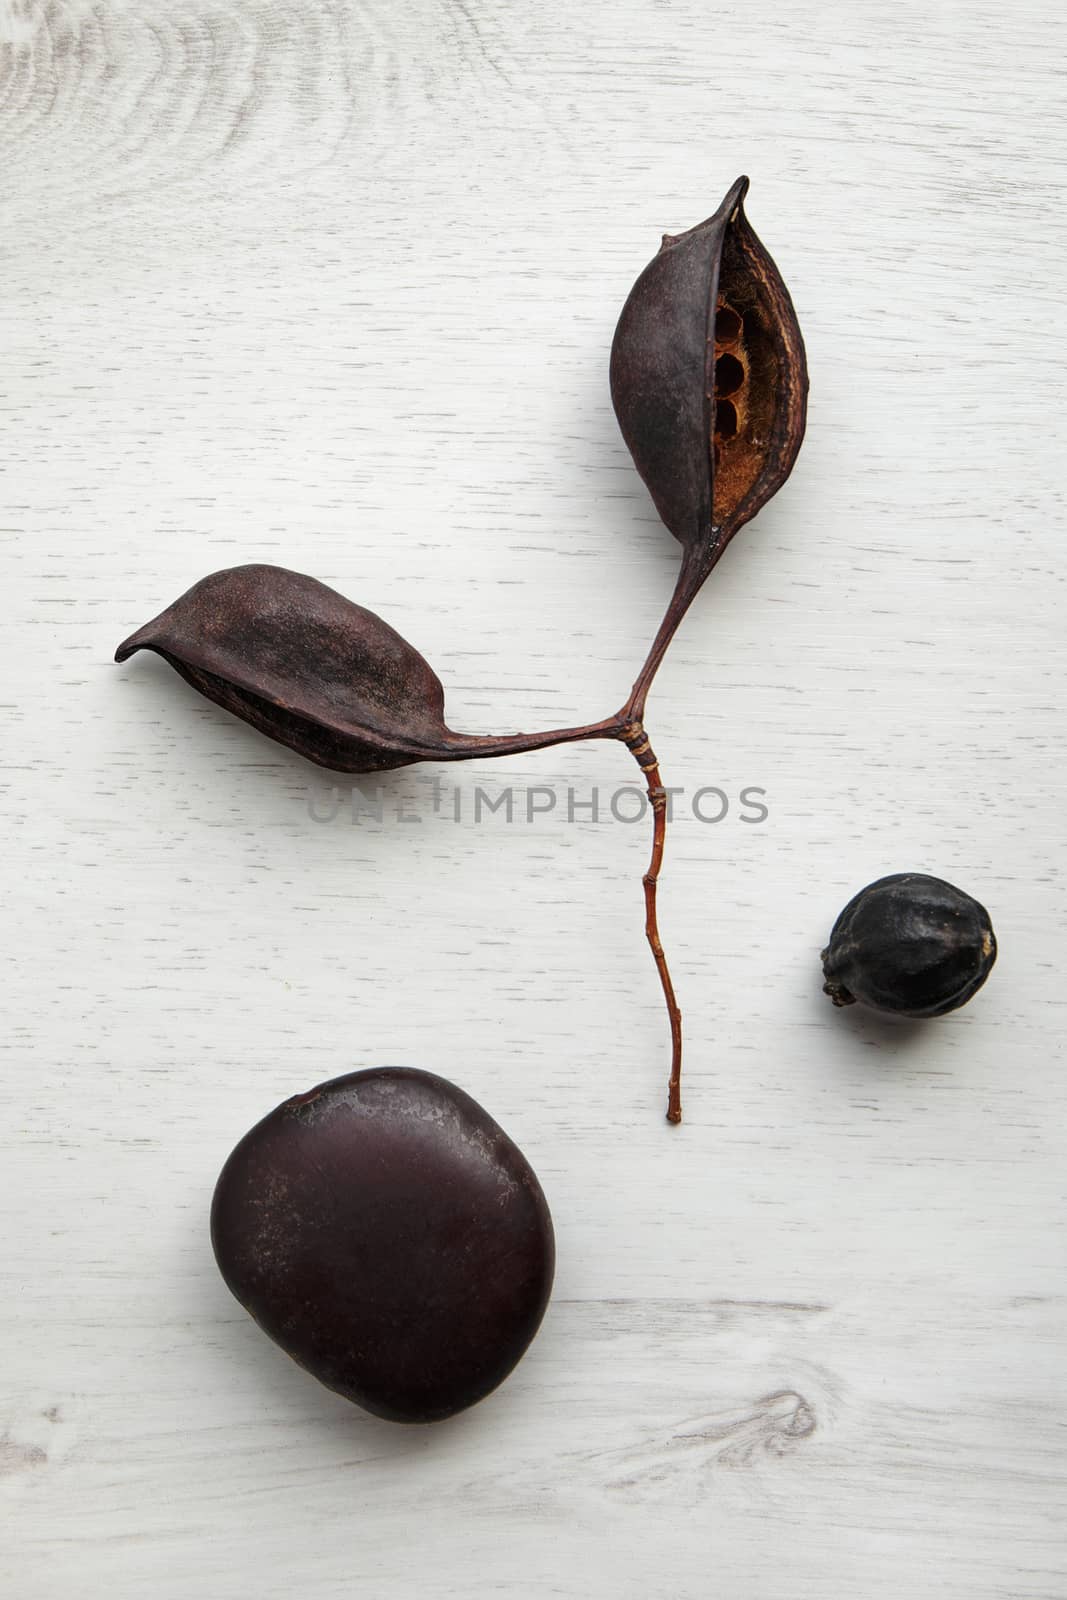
x=628 y=725
x=697 y=562
x=636 y=741
x=471 y=746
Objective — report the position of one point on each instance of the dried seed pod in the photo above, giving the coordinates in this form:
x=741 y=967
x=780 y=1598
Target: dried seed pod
x=316 y=672
x=709 y=382
x=304 y=665
x=909 y=944
x=709 y=378
x=387 y=1233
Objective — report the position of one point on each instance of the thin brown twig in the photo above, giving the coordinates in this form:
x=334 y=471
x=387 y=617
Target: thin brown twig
x=637 y=743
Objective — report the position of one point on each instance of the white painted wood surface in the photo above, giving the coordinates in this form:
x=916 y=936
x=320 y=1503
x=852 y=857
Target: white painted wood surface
x=332 y=284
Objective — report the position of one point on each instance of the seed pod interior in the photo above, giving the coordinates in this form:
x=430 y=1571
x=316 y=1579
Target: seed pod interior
x=759 y=380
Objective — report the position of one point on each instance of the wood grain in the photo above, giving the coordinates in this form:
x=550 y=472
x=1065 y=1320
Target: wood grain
x=332 y=284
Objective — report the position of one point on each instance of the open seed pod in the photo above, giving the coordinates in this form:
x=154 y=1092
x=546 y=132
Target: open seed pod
x=709 y=378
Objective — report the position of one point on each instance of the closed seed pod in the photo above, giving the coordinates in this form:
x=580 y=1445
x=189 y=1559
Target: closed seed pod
x=318 y=673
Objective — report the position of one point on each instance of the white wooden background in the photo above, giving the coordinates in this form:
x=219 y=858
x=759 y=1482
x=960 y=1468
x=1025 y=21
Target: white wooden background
x=332 y=283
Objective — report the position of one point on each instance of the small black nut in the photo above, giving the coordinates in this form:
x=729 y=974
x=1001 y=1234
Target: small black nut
x=911 y=945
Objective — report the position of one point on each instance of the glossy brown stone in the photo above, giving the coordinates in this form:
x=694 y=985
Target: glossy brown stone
x=391 y=1238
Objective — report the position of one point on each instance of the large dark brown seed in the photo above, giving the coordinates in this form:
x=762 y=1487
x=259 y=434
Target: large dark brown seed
x=709 y=377
x=391 y=1238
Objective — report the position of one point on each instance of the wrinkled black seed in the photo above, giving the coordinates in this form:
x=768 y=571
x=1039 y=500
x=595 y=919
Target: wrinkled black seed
x=909 y=944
